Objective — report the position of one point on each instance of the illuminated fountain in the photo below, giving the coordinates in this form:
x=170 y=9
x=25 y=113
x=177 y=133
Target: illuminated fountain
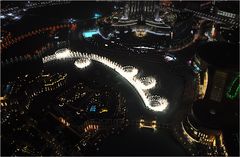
x=82 y=63
x=62 y=53
x=130 y=70
x=142 y=85
x=147 y=82
x=158 y=103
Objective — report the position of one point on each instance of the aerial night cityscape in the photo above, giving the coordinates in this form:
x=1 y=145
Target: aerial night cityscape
x=120 y=78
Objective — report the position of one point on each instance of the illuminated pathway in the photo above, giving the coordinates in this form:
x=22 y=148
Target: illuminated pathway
x=142 y=85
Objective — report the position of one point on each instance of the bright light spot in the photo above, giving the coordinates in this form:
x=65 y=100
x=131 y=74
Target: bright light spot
x=124 y=18
x=213 y=31
x=103 y=110
x=97 y=15
x=144 y=47
x=16 y=18
x=140 y=32
x=3 y=16
x=82 y=63
x=90 y=33
x=62 y=53
x=169 y=58
x=196 y=68
x=71 y=20
x=106 y=45
x=60 y=105
x=10 y=14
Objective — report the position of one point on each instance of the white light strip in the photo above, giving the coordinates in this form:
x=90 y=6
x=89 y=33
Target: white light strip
x=150 y=102
x=157 y=33
x=144 y=47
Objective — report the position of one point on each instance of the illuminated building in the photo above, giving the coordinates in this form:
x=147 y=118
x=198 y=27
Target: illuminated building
x=202 y=65
x=211 y=139
x=147 y=19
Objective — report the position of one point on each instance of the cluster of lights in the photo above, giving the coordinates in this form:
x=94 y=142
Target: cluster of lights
x=154 y=103
x=90 y=33
x=63 y=121
x=140 y=32
x=2 y=16
x=17 y=39
x=61 y=78
x=29 y=55
x=152 y=125
x=143 y=31
x=195 y=136
x=10 y=16
x=71 y=20
x=189 y=138
x=91 y=127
